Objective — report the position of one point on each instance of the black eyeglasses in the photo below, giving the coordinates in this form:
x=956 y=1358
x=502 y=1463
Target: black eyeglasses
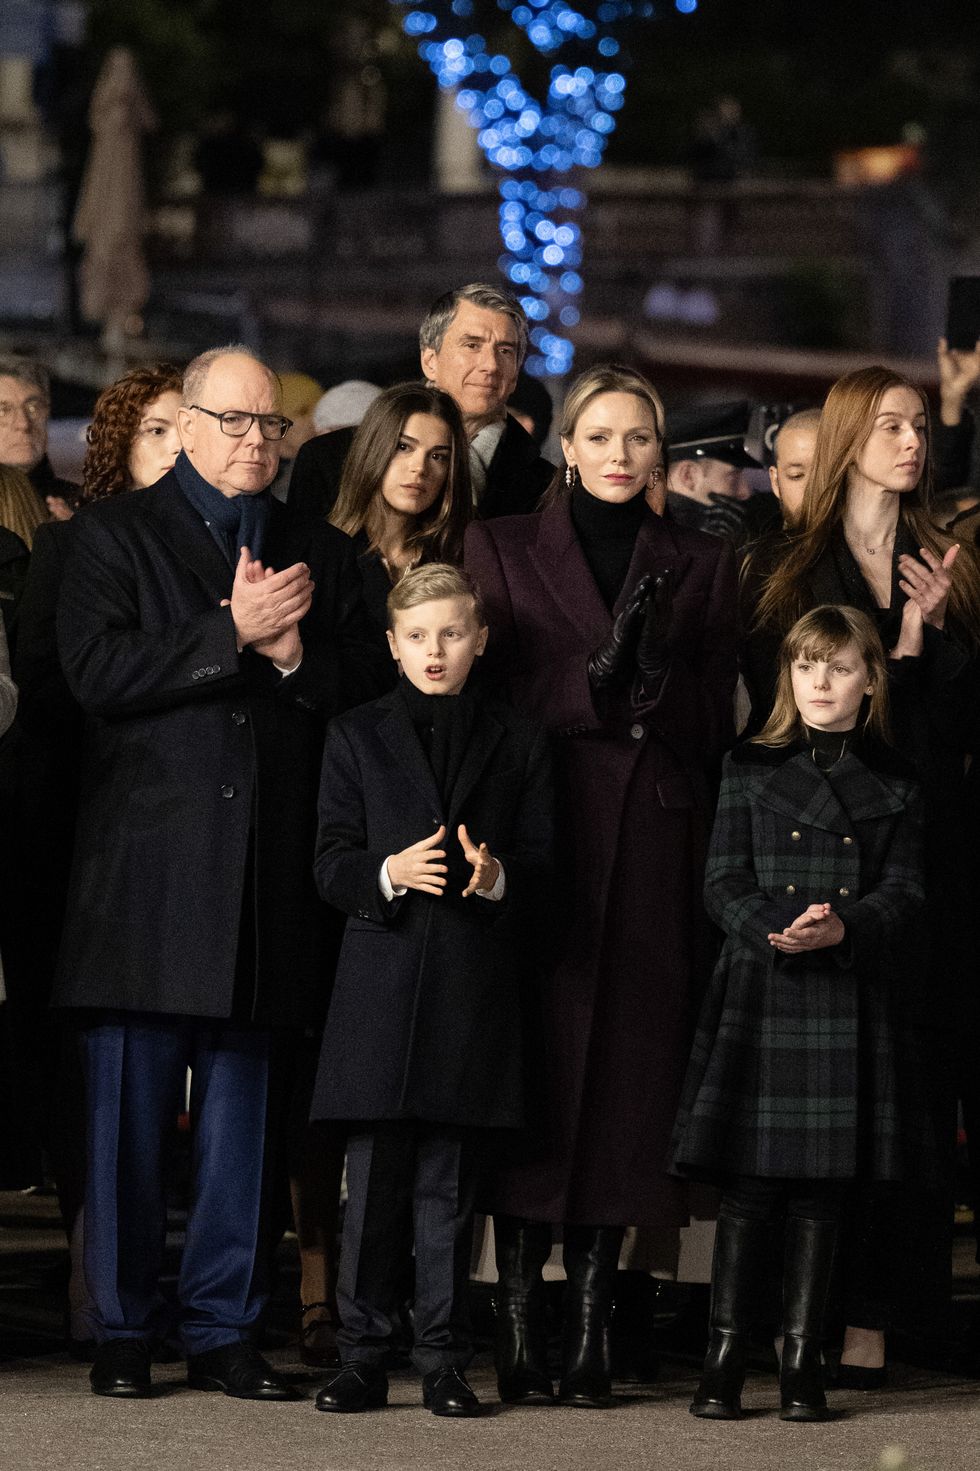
x=237 y=423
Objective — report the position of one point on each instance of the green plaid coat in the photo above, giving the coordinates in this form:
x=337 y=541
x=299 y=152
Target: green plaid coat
x=797 y=1069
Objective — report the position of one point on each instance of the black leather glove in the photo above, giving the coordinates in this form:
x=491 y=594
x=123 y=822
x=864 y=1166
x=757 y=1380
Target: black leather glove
x=651 y=650
x=614 y=661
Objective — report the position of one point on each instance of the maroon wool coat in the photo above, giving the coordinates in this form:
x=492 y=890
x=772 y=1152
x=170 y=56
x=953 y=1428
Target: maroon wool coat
x=633 y=797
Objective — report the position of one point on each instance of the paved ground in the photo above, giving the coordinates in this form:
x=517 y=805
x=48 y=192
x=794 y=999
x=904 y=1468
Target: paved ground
x=926 y=1421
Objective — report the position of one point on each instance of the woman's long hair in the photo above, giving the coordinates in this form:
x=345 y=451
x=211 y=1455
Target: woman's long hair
x=818 y=635
x=360 y=505
x=118 y=410
x=604 y=378
x=846 y=421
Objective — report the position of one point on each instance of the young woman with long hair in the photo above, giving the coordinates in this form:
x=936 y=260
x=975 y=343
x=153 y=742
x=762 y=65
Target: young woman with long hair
x=405 y=493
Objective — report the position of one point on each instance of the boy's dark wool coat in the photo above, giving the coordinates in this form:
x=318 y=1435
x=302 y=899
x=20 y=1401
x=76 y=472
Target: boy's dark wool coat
x=624 y=980
x=797 y=1069
x=200 y=766
x=426 y=1018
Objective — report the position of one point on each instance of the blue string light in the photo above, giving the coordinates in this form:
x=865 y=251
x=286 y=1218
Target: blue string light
x=533 y=143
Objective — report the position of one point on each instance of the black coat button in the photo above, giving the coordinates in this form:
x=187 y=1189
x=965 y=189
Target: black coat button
x=227 y=791
x=239 y=717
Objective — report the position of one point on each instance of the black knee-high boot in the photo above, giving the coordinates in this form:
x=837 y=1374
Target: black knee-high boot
x=806 y=1282
x=738 y=1281
x=522 y=1248
x=591 y=1256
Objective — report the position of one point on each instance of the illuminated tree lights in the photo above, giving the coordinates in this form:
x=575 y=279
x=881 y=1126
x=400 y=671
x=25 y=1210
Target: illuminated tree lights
x=533 y=143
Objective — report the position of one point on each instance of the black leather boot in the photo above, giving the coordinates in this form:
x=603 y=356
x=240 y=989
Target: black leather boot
x=738 y=1276
x=521 y=1355
x=591 y=1256
x=806 y=1282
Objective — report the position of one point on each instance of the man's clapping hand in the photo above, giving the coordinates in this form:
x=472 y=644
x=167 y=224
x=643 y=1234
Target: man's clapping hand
x=267 y=606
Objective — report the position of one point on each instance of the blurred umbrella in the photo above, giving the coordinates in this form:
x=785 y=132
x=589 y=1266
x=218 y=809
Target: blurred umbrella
x=109 y=221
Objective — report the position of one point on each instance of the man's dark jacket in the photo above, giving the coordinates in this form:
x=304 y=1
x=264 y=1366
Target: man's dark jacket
x=197 y=816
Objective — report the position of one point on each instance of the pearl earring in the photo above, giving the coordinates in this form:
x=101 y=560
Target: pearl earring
x=569 y=476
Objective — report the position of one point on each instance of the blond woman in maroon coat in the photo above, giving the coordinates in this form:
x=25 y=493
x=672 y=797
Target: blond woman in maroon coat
x=614 y=627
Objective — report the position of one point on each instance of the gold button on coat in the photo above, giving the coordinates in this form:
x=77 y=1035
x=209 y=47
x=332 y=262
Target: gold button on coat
x=848 y=842
x=843 y=893
x=791 y=888
x=796 y=837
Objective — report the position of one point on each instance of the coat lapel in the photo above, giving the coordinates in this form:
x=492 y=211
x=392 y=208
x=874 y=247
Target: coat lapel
x=560 y=563
x=398 y=734
x=180 y=526
x=800 y=791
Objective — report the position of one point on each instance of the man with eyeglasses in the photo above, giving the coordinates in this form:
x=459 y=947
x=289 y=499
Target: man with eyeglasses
x=207 y=641
x=25 y=407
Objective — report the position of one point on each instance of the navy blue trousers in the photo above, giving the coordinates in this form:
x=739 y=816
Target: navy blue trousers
x=135 y=1070
x=408 y=1179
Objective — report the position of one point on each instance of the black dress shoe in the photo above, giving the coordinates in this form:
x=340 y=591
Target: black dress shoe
x=122 y=1368
x=355 y=1387
x=858 y=1376
x=446 y=1392
x=240 y=1370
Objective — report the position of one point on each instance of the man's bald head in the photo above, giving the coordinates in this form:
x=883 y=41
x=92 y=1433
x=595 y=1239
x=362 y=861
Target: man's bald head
x=222 y=381
x=792 y=450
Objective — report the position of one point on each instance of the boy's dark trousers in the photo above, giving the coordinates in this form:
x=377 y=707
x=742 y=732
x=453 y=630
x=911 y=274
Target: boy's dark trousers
x=405 y=1178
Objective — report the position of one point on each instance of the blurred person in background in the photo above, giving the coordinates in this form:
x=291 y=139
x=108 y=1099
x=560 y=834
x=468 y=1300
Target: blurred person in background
x=793 y=449
x=25 y=408
x=132 y=442
x=959 y=373
x=708 y=460
x=300 y=396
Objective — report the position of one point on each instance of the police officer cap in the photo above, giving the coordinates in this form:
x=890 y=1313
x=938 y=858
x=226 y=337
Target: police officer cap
x=711 y=432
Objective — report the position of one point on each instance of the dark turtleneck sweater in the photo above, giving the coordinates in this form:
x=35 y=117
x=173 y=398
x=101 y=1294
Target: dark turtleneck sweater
x=828 y=746
x=607 y=531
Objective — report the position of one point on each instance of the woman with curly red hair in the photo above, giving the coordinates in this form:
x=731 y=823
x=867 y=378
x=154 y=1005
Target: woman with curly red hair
x=132 y=439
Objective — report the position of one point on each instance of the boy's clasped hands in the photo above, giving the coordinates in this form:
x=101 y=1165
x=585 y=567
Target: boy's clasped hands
x=421 y=866
x=817 y=928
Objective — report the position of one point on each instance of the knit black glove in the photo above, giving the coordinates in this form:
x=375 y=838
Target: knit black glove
x=615 y=659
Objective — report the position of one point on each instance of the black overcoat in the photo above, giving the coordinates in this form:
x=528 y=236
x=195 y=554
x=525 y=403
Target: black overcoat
x=425 y=1021
x=633 y=803
x=796 y=1070
x=201 y=764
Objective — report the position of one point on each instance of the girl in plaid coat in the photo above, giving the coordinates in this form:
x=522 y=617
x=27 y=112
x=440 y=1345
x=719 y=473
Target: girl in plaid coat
x=792 y=1089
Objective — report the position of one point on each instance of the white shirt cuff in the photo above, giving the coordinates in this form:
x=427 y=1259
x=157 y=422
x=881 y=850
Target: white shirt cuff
x=286 y=672
x=497 y=892
x=384 y=884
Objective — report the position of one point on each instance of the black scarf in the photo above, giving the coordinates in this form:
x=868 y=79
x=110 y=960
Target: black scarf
x=443 y=724
x=233 y=520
